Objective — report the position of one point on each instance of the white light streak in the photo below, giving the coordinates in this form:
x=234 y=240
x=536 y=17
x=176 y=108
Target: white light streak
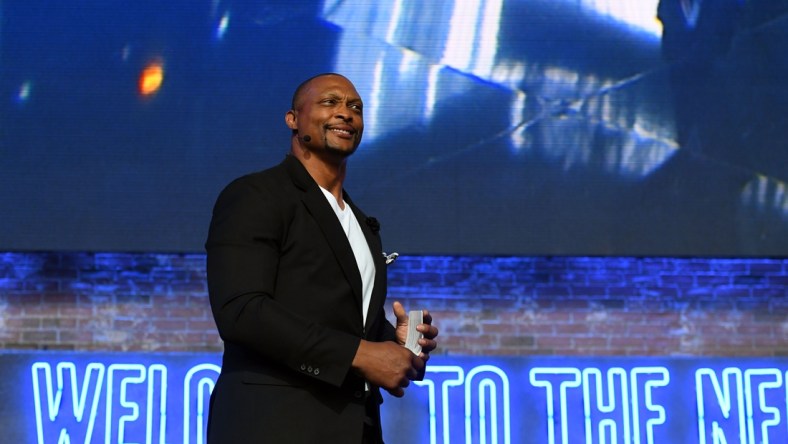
x=462 y=32
x=224 y=23
x=640 y=14
x=24 y=92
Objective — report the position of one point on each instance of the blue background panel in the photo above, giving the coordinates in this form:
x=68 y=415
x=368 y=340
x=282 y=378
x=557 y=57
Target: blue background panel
x=530 y=127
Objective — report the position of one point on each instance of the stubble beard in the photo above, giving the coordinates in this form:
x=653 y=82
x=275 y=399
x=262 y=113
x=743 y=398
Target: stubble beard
x=338 y=152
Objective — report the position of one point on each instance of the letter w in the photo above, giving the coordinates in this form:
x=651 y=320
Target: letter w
x=54 y=423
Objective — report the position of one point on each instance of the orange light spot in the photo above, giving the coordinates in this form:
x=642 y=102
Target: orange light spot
x=151 y=78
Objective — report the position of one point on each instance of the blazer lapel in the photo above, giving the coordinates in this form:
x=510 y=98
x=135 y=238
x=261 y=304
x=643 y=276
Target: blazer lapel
x=319 y=208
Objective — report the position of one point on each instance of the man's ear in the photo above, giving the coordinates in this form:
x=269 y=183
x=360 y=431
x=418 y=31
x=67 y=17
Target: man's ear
x=290 y=120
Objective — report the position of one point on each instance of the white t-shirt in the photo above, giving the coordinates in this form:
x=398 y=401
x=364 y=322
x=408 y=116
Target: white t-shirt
x=366 y=265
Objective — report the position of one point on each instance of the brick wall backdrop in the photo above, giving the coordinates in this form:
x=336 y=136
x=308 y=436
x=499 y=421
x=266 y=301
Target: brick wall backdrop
x=483 y=305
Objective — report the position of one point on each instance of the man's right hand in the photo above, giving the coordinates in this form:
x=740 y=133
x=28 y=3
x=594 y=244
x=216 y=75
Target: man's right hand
x=387 y=365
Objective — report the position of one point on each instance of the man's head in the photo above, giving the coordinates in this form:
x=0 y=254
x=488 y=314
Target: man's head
x=326 y=116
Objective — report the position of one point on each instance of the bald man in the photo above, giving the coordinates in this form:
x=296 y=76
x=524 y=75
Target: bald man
x=297 y=285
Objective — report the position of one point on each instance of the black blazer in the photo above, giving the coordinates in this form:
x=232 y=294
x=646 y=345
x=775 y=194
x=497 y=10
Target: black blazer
x=285 y=291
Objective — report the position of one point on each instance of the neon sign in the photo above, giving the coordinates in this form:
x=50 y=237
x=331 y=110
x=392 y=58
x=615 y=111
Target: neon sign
x=156 y=399
x=741 y=405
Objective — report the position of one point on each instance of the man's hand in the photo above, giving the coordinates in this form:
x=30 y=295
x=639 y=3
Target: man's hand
x=429 y=331
x=387 y=365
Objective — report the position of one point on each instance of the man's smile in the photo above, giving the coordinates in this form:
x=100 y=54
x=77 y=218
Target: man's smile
x=343 y=131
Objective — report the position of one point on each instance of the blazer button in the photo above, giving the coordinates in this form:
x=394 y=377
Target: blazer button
x=317 y=371
x=358 y=394
x=303 y=367
x=309 y=369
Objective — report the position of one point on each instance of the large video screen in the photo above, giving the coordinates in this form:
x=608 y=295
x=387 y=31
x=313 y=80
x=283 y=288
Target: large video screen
x=527 y=127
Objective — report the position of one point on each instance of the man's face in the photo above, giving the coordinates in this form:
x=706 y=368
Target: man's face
x=329 y=111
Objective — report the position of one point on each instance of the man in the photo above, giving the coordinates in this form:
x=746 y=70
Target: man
x=297 y=284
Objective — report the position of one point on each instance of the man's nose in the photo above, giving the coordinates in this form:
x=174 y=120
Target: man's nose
x=344 y=112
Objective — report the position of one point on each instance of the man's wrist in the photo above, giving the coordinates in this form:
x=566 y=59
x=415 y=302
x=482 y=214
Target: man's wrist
x=358 y=360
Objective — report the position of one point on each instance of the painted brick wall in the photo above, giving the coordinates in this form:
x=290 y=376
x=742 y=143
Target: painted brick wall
x=483 y=305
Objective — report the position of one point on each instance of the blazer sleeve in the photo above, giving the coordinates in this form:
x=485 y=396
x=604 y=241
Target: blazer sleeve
x=243 y=249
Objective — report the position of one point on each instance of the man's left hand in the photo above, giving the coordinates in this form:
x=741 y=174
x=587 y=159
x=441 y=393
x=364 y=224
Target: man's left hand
x=426 y=328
